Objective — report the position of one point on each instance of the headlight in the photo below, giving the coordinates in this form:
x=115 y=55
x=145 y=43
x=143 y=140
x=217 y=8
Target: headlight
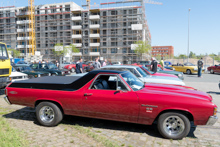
x=38 y=75
x=62 y=73
x=173 y=68
x=195 y=69
x=49 y=74
x=215 y=111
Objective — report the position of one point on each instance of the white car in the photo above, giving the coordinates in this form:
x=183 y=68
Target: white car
x=17 y=76
x=116 y=63
x=138 y=72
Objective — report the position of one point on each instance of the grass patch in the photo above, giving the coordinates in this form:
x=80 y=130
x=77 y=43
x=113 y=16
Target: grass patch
x=10 y=137
x=98 y=138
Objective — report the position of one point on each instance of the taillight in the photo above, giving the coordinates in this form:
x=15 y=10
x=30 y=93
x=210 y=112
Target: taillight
x=215 y=111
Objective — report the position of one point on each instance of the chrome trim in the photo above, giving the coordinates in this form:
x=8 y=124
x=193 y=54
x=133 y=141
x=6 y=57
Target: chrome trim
x=212 y=120
x=6 y=99
x=143 y=105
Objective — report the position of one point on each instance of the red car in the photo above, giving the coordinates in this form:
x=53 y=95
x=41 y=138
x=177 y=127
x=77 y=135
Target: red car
x=115 y=95
x=72 y=67
x=214 y=69
x=155 y=74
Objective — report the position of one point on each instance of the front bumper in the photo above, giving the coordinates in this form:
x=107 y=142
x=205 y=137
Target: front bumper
x=212 y=120
x=6 y=99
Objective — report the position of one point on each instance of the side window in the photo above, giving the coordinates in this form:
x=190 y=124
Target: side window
x=105 y=82
x=134 y=72
x=34 y=66
x=121 y=86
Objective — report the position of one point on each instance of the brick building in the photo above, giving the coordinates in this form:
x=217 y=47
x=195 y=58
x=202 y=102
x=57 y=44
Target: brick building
x=163 y=51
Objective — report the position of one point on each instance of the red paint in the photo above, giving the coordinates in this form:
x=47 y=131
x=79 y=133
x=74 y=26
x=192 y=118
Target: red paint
x=128 y=106
x=216 y=68
x=70 y=66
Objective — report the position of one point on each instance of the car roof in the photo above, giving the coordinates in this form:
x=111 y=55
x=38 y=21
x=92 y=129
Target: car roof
x=21 y=65
x=106 y=71
x=119 y=66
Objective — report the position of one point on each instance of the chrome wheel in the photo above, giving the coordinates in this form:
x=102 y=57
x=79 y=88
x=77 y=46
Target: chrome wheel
x=188 y=71
x=72 y=70
x=211 y=71
x=173 y=125
x=46 y=114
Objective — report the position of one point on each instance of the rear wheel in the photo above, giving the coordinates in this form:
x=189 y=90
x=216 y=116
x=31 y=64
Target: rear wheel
x=188 y=71
x=211 y=71
x=48 y=114
x=173 y=125
x=72 y=70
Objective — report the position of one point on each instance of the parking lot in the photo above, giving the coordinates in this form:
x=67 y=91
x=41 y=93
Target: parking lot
x=80 y=131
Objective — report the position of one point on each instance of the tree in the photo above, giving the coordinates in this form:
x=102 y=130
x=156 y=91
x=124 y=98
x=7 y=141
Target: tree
x=158 y=57
x=141 y=48
x=14 y=53
x=192 y=55
x=182 y=56
x=62 y=51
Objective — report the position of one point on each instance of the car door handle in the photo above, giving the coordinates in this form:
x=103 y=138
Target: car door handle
x=87 y=94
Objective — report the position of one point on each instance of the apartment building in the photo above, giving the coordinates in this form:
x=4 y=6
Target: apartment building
x=163 y=51
x=105 y=32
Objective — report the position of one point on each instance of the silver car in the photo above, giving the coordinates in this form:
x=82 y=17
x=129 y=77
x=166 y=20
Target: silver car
x=144 y=77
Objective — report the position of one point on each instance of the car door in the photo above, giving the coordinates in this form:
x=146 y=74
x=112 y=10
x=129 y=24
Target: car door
x=114 y=101
x=218 y=69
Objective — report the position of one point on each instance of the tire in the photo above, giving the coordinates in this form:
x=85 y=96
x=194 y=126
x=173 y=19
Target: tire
x=188 y=71
x=72 y=70
x=54 y=117
x=211 y=71
x=173 y=125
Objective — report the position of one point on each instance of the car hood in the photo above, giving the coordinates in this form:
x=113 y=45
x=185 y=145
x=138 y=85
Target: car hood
x=172 y=90
x=15 y=74
x=162 y=80
x=163 y=74
x=170 y=72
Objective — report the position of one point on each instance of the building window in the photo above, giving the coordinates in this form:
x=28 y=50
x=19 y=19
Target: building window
x=114 y=50
x=104 y=50
x=104 y=13
x=113 y=12
x=124 y=50
x=104 y=43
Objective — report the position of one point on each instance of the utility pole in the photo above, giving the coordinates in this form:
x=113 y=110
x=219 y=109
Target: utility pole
x=188 y=36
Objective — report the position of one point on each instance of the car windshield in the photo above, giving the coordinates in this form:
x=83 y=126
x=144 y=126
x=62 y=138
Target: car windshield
x=148 y=70
x=3 y=52
x=52 y=66
x=141 y=72
x=133 y=81
x=189 y=64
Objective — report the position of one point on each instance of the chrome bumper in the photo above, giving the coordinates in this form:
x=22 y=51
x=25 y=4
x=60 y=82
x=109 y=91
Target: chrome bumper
x=212 y=120
x=6 y=99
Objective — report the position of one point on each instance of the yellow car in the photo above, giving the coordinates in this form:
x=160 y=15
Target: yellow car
x=187 y=68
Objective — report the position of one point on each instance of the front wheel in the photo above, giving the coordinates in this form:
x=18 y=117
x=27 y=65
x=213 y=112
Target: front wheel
x=211 y=71
x=72 y=70
x=188 y=71
x=48 y=114
x=173 y=125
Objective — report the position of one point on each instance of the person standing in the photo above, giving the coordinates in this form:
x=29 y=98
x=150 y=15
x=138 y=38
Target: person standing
x=104 y=63
x=162 y=63
x=153 y=65
x=200 y=66
x=57 y=64
x=97 y=64
x=79 y=66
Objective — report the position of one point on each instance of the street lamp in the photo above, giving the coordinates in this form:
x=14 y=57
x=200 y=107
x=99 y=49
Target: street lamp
x=188 y=37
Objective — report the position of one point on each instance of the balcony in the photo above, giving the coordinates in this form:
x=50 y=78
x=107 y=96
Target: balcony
x=76 y=18
x=94 y=35
x=78 y=44
x=23 y=38
x=23 y=30
x=94 y=17
x=77 y=36
x=77 y=54
x=94 y=54
x=94 y=44
x=77 y=27
x=22 y=21
x=94 y=26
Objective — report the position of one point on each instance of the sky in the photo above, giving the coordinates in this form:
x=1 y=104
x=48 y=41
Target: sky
x=168 y=23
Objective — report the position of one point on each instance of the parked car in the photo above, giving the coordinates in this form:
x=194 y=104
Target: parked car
x=187 y=68
x=29 y=71
x=72 y=67
x=22 y=63
x=137 y=71
x=49 y=67
x=214 y=69
x=17 y=76
x=116 y=63
x=66 y=63
x=147 y=71
x=118 y=96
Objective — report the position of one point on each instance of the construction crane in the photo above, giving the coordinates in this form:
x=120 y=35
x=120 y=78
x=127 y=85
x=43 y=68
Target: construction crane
x=32 y=39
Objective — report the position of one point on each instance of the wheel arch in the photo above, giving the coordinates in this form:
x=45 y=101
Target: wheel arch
x=52 y=101
x=184 y=112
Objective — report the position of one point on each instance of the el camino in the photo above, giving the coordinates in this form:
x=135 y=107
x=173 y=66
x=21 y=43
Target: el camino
x=115 y=95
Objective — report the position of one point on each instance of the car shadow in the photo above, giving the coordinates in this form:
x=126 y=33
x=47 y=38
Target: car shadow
x=28 y=114
x=213 y=92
